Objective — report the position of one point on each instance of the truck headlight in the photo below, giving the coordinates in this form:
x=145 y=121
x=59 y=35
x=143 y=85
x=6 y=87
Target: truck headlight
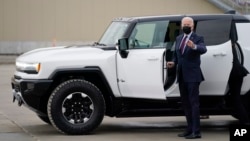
x=32 y=68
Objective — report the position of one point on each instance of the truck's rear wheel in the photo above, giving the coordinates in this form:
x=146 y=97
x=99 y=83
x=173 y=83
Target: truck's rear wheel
x=76 y=107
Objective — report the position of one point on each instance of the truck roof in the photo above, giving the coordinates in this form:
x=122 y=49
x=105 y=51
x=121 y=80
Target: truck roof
x=235 y=17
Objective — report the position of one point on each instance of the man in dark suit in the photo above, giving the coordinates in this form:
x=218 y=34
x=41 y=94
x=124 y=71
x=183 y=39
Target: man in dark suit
x=188 y=49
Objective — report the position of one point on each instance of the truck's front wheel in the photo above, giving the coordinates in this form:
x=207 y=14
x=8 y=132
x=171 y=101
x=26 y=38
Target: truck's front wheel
x=76 y=107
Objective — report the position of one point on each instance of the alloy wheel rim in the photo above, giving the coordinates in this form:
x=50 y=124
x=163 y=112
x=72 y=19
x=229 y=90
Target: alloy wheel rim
x=77 y=108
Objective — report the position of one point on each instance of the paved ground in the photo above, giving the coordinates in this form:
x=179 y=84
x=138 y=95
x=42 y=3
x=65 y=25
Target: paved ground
x=9 y=128
x=19 y=123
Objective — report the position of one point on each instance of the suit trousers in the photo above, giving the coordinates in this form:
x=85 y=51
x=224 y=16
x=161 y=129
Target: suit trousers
x=189 y=92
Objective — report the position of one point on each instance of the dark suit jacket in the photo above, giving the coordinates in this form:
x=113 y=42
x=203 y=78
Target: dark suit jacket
x=189 y=62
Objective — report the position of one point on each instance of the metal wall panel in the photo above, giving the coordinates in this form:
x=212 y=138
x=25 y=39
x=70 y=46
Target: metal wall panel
x=28 y=24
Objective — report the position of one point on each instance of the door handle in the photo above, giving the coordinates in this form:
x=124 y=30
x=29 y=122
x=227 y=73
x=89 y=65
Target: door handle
x=220 y=54
x=153 y=59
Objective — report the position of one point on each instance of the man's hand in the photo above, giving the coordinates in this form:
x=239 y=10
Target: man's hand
x=190 y=44
x=170 y=64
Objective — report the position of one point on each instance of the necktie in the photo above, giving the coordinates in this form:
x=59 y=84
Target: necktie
x=183 y=44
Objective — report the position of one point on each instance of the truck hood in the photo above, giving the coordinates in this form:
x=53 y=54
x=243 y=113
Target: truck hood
x=59 y=53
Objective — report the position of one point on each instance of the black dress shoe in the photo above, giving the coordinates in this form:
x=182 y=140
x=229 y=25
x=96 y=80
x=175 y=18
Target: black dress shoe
x=184 y=134
x=193 y=136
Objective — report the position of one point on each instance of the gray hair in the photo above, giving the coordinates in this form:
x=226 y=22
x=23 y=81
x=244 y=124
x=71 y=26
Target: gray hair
x=189 y=19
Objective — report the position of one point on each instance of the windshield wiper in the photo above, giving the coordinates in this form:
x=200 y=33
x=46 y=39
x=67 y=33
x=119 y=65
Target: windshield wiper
x=83 y=45
x=99 y=44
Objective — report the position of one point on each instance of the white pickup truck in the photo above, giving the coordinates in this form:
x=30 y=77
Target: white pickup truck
x=125 y=74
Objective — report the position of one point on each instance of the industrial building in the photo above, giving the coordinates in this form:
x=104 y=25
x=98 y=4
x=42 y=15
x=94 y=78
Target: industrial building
x=29 y=24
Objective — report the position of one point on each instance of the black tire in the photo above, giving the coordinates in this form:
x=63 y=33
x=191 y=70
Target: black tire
x=76 y=107
x=45 y=119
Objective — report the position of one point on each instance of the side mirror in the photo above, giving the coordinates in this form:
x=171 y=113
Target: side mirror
x=123 y=47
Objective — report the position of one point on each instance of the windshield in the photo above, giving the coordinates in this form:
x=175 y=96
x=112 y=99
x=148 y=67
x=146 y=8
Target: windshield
x=114 y=32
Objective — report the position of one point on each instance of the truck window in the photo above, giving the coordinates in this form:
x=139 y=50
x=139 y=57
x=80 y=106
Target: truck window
x=157 y=34
x=142 y=35
x=215 y=32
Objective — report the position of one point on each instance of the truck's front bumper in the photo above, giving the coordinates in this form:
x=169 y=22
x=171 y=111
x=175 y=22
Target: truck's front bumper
x=31 y=93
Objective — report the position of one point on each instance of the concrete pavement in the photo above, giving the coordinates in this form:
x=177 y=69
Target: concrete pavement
x=11 y=131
